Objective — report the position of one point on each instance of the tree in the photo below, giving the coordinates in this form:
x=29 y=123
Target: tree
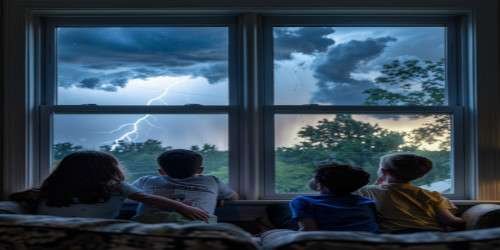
x=341 y=139
x=139 y=158
x=62 y=149
x=215 y=162
x=415 y=83
x=412 y=82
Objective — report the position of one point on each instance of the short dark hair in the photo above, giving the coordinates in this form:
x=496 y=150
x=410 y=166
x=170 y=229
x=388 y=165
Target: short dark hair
x=180 y=163
x=341 y=179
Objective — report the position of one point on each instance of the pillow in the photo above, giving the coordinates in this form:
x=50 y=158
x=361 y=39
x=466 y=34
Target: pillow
x=482 y=216
x=11 y=207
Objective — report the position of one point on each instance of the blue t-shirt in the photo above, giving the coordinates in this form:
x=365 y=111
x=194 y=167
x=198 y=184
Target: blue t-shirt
x=336 y=213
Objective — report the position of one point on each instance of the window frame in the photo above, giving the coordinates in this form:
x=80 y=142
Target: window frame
x=455 y=83
x=251 y=56
x=47 y=90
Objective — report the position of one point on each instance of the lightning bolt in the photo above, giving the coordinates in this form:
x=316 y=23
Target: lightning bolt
x=133 y=132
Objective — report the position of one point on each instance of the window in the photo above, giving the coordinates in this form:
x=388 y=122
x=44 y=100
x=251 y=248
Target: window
x=350 y=90
x=136 y=90
x=328 y=88
x=137 y=140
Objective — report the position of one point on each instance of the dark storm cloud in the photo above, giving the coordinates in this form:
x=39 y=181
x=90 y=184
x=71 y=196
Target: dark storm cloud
x=106 y=58
x=120 y=82
x=89 y=83
x=214 y=72
x=335 y=84
x=303 y=40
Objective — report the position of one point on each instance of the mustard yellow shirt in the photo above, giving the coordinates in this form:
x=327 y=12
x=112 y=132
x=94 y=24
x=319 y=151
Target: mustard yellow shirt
x=405 y=206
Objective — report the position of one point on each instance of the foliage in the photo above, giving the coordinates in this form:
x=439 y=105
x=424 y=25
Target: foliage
x=415 y=83
x=412 y=82
x=346 y=140
x=139 y=158
x=343 y=139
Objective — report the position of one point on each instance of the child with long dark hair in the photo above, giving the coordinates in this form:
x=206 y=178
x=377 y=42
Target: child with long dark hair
x=91 y=184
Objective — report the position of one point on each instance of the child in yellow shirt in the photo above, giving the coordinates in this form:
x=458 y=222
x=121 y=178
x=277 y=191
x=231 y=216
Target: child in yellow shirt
x=403 y=207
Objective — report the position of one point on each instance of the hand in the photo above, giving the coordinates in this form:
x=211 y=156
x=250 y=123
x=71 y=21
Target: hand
x=193 y=213
x=380 y=180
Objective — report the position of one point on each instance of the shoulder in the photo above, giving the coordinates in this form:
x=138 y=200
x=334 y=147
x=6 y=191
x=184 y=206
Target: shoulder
x=362 y=200
x=149 y=178
x=126 y=189
x=369 y=189
x=432 y=195
x=300 y=200
x=143 y=178
x=207 y=179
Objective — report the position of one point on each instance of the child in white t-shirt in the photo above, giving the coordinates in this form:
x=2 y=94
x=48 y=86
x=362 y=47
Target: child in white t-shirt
x=180 y=178
x=91 y=184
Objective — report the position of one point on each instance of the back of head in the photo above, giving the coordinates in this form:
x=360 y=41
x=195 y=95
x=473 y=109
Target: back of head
x=84 y=176
x=406 y=166
x=341 y=179
x=180 y=163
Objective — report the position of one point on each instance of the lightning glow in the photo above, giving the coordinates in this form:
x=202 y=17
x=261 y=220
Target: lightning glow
x=132 y=134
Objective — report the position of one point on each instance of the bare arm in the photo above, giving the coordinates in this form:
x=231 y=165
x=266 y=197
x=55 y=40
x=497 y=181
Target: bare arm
x=307 y=225
x=446 y=218
x=165 y=203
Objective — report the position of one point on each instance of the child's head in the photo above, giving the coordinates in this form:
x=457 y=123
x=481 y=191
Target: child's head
x=340 y=179
x=404 y=167
x=85 y=176
x=180 y=163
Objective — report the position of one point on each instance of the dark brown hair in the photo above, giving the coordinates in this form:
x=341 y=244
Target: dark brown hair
x=341 y=179
x=180 y=163
x=81 y=177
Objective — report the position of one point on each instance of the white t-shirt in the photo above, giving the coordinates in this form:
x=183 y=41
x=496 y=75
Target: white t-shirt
x=107 y=210
x=201 y=191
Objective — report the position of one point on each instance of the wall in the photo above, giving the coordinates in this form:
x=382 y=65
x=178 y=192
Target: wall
x=2 y=11
x=486 y=143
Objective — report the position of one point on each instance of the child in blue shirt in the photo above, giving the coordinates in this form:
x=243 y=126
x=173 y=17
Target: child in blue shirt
x=336 y=208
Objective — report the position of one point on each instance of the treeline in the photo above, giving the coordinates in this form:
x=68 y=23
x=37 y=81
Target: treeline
x=340 y=139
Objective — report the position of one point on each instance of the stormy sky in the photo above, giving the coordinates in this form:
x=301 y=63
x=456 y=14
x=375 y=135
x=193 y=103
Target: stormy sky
x=167 y=66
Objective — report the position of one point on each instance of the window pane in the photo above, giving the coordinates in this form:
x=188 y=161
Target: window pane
x=359 y=65
x=137 y=140
x=305 y=141
x=142 y=65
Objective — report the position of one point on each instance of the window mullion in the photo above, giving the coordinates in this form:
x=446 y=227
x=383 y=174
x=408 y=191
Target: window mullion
x=96 y=109
x=317 y=109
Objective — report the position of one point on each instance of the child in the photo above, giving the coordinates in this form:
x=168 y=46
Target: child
x=336 y=208
x=403 y=207
x=180 y=178
x=90 y=184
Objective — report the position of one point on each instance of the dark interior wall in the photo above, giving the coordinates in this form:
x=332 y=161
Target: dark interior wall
x=2 y=16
